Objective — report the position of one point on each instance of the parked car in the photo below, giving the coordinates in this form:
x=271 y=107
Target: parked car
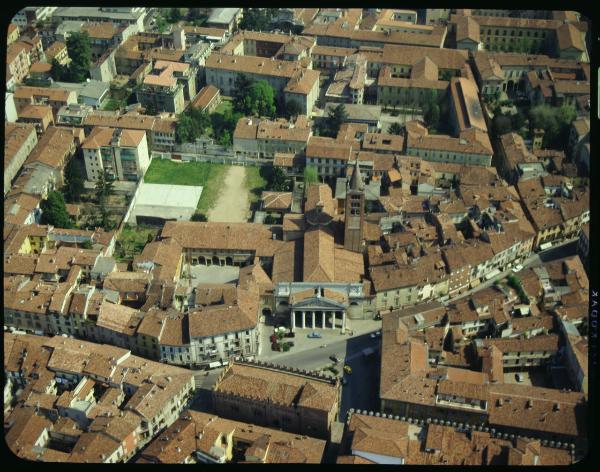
x=519 y=377
x=314 y=334
x=275 y=347
x=348 y=369
x=334 y=358
x=273 y=338
x=290 y=334
x=291 y=344
x=344 y=380
x=378 y=333
x=372 y=335
x=517 y=268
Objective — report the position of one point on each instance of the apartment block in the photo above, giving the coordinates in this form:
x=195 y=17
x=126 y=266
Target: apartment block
x=122 y=153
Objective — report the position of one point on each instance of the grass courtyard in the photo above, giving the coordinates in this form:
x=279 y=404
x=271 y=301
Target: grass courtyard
x=132 y=240
x=255 y=183
x=210 y=176
x=224 y=106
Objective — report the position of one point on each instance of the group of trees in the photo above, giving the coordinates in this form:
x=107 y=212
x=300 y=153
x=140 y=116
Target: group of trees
x=194 y=123
x=276 y=179
x=330 y=127
x=253 y=97
x=257 y=19
x=505 y=123
x=174 y=15
x=73 y=187
x=104 y=189
x=54 y=211
x=555 y=121
x=395 y=128
x=191 y=124
x=195 y=17
x=223 y=126
x=80 y=52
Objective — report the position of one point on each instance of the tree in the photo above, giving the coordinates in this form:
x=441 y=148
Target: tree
x=184 y=129
x=310 y=176
x=517 y=121
x=501 y=125
x=80 y=52
x=199 y=217
x=191 y=124
x=253 y=97
x=161 y=24
x=446 y=75
x=242 y=86
x=432 y=115
x=59 y=71
x=555 y=122
x=104 y=189
x=336 y=117
x=257 y=19
x=73 y=187
x=54 y=211
x=262 y=99
x=224 y=123
x=87 y=244
x=395 y=128
x=292 y=109
x=174 y=15
x=276 y=179
x=225 y=139
x=270 y=220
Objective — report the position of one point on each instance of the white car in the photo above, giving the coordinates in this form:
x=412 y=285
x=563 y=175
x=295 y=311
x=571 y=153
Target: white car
x=372 y=335
x=517 y=268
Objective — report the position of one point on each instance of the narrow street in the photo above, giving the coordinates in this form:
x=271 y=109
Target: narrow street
x=558 y=252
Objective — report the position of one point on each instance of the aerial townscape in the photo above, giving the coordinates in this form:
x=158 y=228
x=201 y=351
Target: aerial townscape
x=297 y=235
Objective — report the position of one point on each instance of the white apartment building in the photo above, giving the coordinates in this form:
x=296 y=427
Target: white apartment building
x=123 y=153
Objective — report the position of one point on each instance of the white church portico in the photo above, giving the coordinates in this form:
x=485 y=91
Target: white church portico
x=318 y=313
x=318 y=305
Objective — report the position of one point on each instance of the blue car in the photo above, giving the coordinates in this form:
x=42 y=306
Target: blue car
x=314 y=335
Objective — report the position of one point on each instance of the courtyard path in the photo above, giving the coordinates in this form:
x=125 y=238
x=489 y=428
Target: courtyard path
x=232 y=205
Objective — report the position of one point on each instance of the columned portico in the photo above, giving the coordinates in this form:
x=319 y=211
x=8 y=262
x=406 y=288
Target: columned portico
x=330 y=319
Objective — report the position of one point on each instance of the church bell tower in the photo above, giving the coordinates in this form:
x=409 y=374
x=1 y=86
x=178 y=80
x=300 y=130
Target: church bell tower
x=355 y=212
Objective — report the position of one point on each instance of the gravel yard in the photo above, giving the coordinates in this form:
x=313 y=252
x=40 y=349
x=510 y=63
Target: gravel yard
x=232 y=205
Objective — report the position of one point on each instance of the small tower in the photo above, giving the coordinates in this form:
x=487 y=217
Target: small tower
x=179 y=39
x=355 y=212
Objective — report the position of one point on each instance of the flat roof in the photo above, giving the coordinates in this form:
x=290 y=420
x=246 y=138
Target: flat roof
x=185 y=196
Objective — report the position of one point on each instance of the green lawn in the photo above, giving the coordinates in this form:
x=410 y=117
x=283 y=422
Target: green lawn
x=208 y=175
x=132 y=240
x=223 y=107
x=254 y=183
x=111 y=104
